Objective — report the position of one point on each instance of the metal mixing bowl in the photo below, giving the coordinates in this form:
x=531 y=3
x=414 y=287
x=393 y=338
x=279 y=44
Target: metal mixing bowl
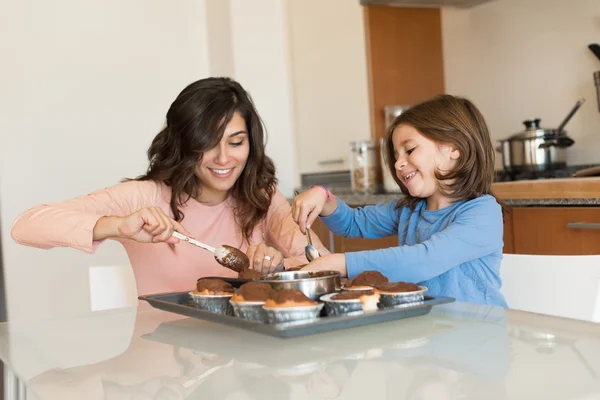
x=312 y=284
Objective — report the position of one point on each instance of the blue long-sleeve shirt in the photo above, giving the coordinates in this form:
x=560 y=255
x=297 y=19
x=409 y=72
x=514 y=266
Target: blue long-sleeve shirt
x=455 y=251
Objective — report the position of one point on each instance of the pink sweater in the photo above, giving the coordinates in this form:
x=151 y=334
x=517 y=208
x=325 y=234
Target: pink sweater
x=156 y=267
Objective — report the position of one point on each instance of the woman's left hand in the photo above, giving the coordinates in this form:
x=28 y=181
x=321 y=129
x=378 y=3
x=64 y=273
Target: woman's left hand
x=264 y=258
x=332 y=262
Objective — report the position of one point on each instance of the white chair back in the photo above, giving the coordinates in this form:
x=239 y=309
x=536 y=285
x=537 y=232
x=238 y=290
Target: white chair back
x=112 y=287
x=564 y=286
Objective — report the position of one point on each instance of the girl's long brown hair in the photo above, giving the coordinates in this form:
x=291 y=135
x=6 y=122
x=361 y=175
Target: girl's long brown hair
x=195 y=123
x=457 y=122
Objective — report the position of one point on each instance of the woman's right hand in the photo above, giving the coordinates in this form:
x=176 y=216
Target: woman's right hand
x=147 y=225
x=308 y=205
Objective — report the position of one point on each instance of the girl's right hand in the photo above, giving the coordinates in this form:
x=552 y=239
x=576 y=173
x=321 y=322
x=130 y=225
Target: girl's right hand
x=147 y=225
x=307 y=206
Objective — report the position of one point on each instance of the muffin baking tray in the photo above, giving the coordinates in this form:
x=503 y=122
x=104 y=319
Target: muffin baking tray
x=181 y=303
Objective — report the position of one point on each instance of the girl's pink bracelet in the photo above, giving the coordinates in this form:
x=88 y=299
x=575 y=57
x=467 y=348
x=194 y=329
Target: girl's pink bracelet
x=325 y=189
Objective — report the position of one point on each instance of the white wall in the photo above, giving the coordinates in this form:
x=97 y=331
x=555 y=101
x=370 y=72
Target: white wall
x=84 y=88
x=248 y=40
x=522 y=59
x=259 y=33
x=220 y=43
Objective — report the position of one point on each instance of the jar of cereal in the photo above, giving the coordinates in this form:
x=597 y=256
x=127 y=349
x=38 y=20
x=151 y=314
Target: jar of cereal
x=363 y=166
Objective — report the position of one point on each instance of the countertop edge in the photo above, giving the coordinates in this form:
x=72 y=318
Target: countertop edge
x=363 y=200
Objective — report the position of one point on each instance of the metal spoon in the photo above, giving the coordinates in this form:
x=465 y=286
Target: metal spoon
x=310 y=251
x=195 y=242
x=227 y=256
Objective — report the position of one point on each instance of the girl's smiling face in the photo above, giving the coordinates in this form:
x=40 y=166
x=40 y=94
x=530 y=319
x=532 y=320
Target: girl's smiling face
x=417 y=161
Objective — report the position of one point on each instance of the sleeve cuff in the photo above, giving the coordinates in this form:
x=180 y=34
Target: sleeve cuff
x=87 y=243
x=338 y=215
x=353 y=264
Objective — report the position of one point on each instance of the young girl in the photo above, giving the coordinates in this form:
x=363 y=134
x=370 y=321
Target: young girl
x=449 y=224
x=208 y=178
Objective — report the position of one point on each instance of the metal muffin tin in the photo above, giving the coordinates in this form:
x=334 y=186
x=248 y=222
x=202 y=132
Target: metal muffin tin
x=181 y=303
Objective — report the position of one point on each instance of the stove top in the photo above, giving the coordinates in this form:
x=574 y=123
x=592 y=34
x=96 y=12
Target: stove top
x=566 y=172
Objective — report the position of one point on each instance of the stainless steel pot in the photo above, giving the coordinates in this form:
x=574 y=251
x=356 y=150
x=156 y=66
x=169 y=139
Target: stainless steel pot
x=537 y=149
x=534 y=149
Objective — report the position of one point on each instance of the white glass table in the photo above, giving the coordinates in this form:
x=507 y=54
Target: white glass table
x=458 y=351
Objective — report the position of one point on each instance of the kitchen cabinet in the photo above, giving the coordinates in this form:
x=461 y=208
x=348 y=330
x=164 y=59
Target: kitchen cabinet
x=528 y=230
x=405 y=60
x=551 y=216
x=508 y=238
x=338 y=244
x=556 y=230
x=329 y=80
x=341 y=245
x=342 y=81
x=406 y=63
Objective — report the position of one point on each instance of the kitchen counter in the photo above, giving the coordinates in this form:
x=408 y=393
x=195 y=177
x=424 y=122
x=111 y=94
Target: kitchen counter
x=366 y=199
x=561 y=192
x=345 y=194
x=540 y=192
x=459 y=350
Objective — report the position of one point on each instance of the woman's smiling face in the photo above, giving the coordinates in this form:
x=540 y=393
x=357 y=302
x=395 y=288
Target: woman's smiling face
x=222 y=165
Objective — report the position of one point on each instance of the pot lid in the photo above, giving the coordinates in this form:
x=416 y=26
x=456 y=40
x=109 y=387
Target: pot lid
x=532 y=130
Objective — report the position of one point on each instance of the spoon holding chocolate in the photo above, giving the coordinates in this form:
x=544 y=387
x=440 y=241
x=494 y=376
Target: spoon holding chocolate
x=226 y=255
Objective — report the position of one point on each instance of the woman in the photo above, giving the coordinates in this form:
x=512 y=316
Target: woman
x=208 y=178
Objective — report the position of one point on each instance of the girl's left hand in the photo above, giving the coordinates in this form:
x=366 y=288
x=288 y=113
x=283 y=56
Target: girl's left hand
x=264 y=258
x=332 y=262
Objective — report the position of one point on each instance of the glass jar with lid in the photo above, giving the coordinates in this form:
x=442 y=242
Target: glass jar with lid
x=363 y=167
x=390 y=114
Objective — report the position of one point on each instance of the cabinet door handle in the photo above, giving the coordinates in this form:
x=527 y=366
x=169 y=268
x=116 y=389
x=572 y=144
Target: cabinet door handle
x=583 y=225
x=327 y=162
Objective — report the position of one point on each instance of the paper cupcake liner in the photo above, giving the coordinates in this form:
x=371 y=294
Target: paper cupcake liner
x=301 y=314
x=214 y=303
x=250 y=310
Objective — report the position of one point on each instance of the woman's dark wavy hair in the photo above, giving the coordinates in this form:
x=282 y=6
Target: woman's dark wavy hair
x=457 y=122
x=195 y=123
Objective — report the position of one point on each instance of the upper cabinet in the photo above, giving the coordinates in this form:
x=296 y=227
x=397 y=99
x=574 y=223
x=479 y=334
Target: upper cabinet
x=404 y=57
x=330 y=81
x=349 y=61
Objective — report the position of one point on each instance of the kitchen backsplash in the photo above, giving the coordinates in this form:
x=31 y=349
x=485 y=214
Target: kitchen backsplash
x=339 y=182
